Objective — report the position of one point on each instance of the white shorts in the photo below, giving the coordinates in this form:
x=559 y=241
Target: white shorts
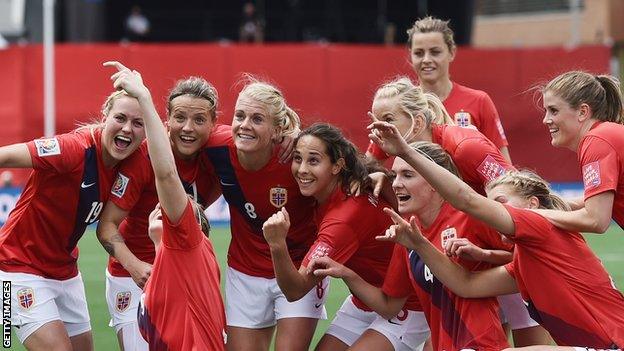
x=36 y=301
x=408 y=331
x=514 y=312
x=256 y=302
x=122 y=298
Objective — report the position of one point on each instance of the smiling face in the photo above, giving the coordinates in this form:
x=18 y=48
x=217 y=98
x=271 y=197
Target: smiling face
x=123 y=128
x=313 y=169
x=431 y=57
x=414 y=194
x=190 y=123
x=562 y=121
x=389 y=110
x=252 y=127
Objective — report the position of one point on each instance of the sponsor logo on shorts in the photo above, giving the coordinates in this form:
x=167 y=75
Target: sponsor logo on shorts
x=47 y=147
x=123 y=300
x=463 y=119
x=401 y=317
x=490 y=168
x=121 y=183
x=591 y=175
x=278 y=196
x=447 y=234
x=26 y=297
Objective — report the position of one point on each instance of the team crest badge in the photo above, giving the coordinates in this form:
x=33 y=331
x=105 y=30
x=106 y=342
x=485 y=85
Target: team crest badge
x=278 y=197
x=463 y=119
x=447 y=234
x=47 y=147
x=490 y=168
x=26 y=297
x=121 y=183
x=591 y=175
x=123 y=300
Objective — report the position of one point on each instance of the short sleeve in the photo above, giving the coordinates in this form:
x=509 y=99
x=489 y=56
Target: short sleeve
x=511 y=269
x=480 y=158
x=529 y=227
x=60 y=154
x=135 y=173
x=397 y=282
x=377 y=152
x=489 y=238
x=600 y=166
x=184 y=235
x=336 y=240
x=491 y=125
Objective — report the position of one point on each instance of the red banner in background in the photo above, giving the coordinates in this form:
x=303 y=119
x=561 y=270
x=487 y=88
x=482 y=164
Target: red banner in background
x=333 y=83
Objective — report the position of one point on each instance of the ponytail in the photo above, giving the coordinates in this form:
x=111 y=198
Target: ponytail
x=613 y=95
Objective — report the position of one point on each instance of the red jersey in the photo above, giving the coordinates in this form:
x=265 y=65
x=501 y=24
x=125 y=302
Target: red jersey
x=182 y=308
x=471 y=107
x=348 y=226
x=135 y=191
x=601 y=155
x=477 y=159
x=455 y=322
x=252 y=197
x=565 y=286
x=64 y=194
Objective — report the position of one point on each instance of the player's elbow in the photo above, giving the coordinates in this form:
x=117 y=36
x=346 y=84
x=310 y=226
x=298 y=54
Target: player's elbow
x=602 y=225
x=465 y=199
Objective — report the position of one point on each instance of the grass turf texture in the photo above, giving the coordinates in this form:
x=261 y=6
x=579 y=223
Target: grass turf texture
x=93 y=258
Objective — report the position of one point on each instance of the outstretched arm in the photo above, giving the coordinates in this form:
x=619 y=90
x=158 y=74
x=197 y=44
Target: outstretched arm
x=492 y=282
x=15 y=156
x=171 y=195
x=595 y=217
x=386 y=306
x=452 y=189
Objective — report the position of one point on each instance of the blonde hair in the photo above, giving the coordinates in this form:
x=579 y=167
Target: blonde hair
x=413 y=100
x=94 y=122
x=601 y=93
x=277 y=108
x=526 y=184
x=432 y=25
x=196 y=87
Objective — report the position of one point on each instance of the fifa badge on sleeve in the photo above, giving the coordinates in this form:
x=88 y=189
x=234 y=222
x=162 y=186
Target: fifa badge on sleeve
x=278 y=197
x=47 y=147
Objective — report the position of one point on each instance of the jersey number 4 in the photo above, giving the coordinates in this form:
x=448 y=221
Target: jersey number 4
x=94 y=213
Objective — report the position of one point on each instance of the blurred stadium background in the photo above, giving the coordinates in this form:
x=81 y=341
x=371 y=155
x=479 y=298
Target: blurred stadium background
x=328 y=57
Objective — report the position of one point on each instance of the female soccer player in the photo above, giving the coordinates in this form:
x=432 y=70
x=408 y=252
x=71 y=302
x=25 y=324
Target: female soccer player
x=122 y=230
x=584 y=114
x=183 y=288
x=455 y=323
x=432 y=49
x=255 y=183
x=324 y=165
x=564 y=284
x=71 y=180
x=420 y=116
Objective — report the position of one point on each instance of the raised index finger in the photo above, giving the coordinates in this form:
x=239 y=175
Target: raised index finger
x=115 y=64
x=396 y=218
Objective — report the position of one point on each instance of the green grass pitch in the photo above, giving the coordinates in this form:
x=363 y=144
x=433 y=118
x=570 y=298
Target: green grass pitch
x=609 y=246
